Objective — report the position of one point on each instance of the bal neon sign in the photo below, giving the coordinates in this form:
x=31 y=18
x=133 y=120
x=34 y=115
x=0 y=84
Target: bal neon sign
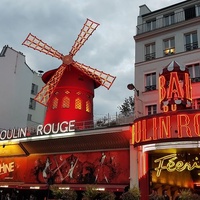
x=174 y=88
x=171 y=164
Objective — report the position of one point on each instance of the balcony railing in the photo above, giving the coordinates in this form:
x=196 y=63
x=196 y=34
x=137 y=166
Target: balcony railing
x=150 y=56
x=195 y=80
x=150 y=88
x=191 y=46
x=161 y=22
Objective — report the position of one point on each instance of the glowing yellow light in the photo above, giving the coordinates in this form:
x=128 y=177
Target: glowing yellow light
x=173 y=165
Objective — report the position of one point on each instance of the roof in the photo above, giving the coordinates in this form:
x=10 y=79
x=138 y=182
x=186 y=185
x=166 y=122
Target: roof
x=168 y=7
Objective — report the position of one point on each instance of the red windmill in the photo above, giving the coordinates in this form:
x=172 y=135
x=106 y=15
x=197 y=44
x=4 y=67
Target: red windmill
x=69 y=90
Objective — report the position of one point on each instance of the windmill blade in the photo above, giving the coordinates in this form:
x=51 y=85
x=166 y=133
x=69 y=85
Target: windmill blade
x=102 y=78
x=44 y=95
x=37 y=44
x=88 y=28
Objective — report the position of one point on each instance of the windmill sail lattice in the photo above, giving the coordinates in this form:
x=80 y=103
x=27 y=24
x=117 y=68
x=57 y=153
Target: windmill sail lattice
x=100 y=77
x=46 y=92
x=88 y=28
x=37 y=44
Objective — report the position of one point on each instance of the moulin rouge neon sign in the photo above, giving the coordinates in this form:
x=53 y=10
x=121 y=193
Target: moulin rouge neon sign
x=171 y=164
x=40 y=130
x=181 y=125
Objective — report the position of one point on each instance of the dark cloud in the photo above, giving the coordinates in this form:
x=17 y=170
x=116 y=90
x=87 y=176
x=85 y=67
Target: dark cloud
x=58 y=23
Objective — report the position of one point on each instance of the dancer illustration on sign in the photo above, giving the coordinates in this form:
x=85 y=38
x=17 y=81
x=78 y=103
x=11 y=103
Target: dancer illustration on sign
x=101 y=169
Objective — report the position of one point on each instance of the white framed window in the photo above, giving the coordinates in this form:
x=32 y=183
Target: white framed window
x=169 y=19
x=34 y=89
x=150 y=51
x=151 y=25
x=198 y=10
x=191 y=41
x=150 y=81
x=151 y=109
x=194 y=70
x=169 y=46
x=29 y=117
x=32 y=104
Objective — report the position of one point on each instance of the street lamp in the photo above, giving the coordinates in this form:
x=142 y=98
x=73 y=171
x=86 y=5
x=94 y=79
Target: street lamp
x=132 y=87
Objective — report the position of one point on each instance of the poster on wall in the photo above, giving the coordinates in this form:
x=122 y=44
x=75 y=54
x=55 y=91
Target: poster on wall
x=109 y=167
x=12 y=169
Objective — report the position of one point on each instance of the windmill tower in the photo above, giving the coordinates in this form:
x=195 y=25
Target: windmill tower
x=69 y=90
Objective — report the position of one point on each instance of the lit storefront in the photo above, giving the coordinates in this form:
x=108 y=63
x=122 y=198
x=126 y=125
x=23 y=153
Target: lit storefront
x=32 y=161
x=168 y=142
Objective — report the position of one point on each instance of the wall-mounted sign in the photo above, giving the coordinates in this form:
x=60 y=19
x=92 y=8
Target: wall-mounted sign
x=174 y=88
x=40 y=130
x=172 y=163
x=172 y=125
x=109 y=167
x=6 y=167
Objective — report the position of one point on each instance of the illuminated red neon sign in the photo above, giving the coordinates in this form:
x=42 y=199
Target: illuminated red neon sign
x=174 y=88
x=173 y=125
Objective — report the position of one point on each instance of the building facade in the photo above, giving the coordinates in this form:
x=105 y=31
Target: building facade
x=166 y=119
x=19 y=85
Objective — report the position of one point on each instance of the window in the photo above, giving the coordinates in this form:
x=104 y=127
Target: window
x=150 y=52
x=169 y=19
x=29 y=117
x=191 y=41
x=152 y=109
x=3 y=51
x=169 y=46
x=151 y=24
x=32 y=104
x=190 y=13
x=66 y=102
x=194 y=71
x=78 y=104
x=198 y=10
x=196 y=104
x=34 y=89
x=55 y=103
x=150 y=82
x=88 y=106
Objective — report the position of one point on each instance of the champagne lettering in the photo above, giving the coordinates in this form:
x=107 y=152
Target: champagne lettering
x=6 y=168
